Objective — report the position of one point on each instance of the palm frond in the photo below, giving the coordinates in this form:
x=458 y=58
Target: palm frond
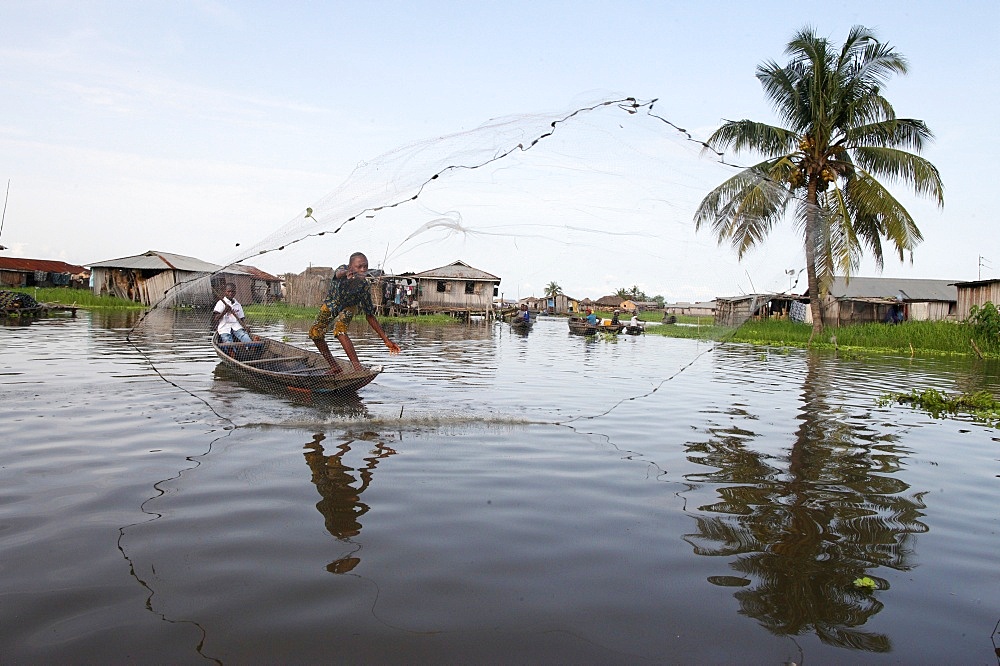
x=899 y=165
x=879 y=214
x=744 y=209
x=905 y=133
x=748 y=135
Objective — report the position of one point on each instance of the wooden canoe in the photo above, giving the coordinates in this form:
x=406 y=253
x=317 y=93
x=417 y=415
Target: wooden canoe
x=635 y=330
x=275 y=365
x=579 y=326
x=520 y=325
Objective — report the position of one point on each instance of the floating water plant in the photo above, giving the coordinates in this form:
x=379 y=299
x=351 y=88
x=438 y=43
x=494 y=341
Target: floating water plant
x=981 y=405
x=865 y=583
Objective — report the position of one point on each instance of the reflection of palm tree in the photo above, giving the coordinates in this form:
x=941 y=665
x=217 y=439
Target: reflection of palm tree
x=802 y=536
x=341 y=503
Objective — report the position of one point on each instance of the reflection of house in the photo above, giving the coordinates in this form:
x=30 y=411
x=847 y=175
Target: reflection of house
x=456 y=288
x=184 y=281
x=16 y=272
x=869 y=299
x=979 y=293
x=700 y=309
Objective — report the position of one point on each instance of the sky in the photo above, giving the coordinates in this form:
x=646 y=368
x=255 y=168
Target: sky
x=207 y=129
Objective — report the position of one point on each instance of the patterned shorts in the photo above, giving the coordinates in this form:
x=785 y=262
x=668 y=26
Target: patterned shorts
x=322 y=323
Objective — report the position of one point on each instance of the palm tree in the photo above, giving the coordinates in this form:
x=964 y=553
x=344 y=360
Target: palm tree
x=552 y=289
x=840 y=136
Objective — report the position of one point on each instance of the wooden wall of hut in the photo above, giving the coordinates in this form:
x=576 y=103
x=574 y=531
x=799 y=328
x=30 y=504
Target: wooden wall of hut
x=173 y=288
x=454 y=298
x=309 y=288
x=979 y=294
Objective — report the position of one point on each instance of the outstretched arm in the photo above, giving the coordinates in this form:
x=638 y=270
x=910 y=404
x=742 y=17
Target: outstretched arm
x=373 y=322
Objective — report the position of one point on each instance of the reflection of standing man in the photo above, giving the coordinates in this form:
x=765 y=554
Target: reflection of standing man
x=341 y=503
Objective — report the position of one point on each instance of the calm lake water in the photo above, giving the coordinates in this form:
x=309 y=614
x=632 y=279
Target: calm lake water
x=491 y=498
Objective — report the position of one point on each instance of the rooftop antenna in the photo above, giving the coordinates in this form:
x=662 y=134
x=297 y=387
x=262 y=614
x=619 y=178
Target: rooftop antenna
x=4 y=216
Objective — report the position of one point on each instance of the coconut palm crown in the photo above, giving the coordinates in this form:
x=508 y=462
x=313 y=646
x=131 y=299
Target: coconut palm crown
x=840 y=137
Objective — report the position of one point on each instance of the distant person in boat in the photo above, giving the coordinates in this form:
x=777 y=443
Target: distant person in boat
x=614 y=318
x=634 y=321
x=523 y=315
x=228 y=317
x=591 y=318
x=349 y=293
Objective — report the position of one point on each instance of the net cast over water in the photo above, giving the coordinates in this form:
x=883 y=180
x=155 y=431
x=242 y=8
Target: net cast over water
x=603 y=194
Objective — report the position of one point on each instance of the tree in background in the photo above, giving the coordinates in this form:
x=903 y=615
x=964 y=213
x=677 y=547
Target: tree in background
x=633 y=293
x=552 y=289
x=840 y=137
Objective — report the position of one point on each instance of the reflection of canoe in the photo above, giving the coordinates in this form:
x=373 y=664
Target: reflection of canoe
x=278 y=366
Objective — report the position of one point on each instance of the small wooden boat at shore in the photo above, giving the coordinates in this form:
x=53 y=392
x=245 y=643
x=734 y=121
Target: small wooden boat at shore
x=275 y=365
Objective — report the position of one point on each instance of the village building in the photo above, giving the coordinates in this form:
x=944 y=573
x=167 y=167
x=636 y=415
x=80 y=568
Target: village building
x=859 y=300
x=735 y=310
x=153 y=276
x=611 y=302
x=976 y=293
x=697 y=309
x=558 y=304
x=638 y=306
x=18 y=272
x=870 y=299
x=457 y=289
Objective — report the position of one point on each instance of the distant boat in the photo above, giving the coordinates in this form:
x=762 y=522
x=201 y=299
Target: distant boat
x=274 y=365
x=639 y=329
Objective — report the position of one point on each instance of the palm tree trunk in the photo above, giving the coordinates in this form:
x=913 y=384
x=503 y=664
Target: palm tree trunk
x=812 y=229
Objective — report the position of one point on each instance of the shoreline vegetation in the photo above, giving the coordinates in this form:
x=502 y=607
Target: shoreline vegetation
x=911 y=338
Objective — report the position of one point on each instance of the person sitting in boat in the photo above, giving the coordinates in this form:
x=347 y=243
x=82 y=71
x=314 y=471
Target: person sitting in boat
x=228 y=317
x=591 y=318
x=634 y=321
x=523 y=316
x=614 y=317
x=349 y=293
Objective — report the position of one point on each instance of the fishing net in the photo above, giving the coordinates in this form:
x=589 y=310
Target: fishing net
x=594 y=199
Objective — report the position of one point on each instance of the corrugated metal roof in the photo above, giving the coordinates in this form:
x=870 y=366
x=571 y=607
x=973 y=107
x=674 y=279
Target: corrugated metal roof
x=154 y=260
x=47 y=265
x=458 y=270
x=253 y=271
x=910 y=289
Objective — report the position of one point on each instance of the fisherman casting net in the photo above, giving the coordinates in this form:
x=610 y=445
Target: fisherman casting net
x=594 y=199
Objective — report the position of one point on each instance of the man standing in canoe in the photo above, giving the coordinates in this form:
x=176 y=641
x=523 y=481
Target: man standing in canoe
x=349 y=293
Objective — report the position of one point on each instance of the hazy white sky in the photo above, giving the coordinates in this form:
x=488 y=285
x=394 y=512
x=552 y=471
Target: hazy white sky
x=191 y=126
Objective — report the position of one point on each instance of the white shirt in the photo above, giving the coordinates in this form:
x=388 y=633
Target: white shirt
x=231 y=320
